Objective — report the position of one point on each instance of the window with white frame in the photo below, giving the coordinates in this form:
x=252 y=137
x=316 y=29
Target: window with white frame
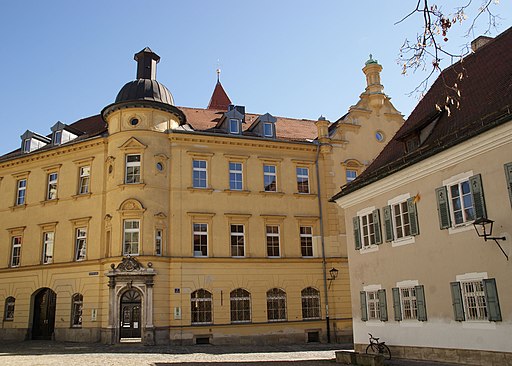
x=200 y=239
x=21 y=190
x=306 y=241
x=16 y=251
x=409 y=305
x=77 y=303
x=367 y=231
x=199 y=174
x=373 y=303
x=133 y=164
x=158 y=241
x=131 y=237
x=240 y=306
x=80 y=244
x=84 y=179
x=234 y=126
x=272 y=233
x=235 y=176
x=475 y=298
x=310 y=298
x=350 y=175
x=9 y=308
x=52 y=186
x=269 y=178
x=302 y=179
x=237 y=240
x=409 y=301
x=201 y=307
x=27 y=145
x=276 y=305
x=268 y=130
x=400 y=218
x=460 y=200
x=48 y=238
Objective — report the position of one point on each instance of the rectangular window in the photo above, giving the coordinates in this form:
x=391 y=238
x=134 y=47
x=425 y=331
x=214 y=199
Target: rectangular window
x=132 y=175
x=306 y=241
x=272 y=240
x=158 y=241
x=200 y=240
x=234 y=126
x=237 y=241
x=199 y=174
x=461 y=202
x=48 y=238
x=409 y=303
x=351 y=175
x=16 y=251
x=27 y=145
x=52 y=186
x=81 y=244
x=368 y=230
x=83 y=184
x=268 y=130
x=131 y=237
x=302 y=180
x=270 y=178
x=373 y=305
x=21 y=192
x=235 y=176
x=401 y=220
x=473 y=296
x=57 y=137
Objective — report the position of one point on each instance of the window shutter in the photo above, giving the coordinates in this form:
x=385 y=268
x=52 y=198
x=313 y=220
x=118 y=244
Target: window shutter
x=508 y=175
x=458 y=310
x=413 y=216
x=383 y=306
x=397 y=305
x=443 y=207
x=388 y=223
x=420 y=303
x=491 y=299
x=357 y=235
x=376 y=226
x=364 y=310
x=477 y=191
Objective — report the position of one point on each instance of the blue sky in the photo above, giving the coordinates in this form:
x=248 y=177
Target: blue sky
x=66 y=60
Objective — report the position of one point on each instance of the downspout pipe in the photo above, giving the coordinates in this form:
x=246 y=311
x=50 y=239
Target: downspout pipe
x=324 y=262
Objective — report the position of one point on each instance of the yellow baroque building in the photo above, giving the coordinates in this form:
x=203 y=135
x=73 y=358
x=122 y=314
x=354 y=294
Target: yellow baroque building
x=162 y=224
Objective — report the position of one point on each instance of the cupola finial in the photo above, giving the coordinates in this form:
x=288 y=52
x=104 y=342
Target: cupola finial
x=146 y=64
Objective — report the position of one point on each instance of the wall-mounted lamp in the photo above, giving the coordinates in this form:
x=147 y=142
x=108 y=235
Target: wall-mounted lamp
x=333 y=274
x=483 y=227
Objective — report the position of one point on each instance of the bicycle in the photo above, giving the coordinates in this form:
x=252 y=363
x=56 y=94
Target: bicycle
x=378 y=348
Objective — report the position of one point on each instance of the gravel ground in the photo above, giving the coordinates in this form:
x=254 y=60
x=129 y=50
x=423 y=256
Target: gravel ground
x=78 y=354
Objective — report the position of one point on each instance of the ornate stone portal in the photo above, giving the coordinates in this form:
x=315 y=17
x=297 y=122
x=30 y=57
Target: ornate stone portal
x=130 y=275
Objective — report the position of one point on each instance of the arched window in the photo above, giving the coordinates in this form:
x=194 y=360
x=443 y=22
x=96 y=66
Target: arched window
x=240 y=301
x=276 y=305
x=9 y=308
x=310 y=303
x=77 y=302
x=201 y=307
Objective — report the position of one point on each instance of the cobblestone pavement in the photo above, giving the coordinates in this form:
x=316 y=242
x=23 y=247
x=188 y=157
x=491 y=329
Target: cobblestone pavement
x=77 y=354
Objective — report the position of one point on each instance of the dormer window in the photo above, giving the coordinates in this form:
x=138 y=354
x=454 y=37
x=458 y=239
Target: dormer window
x=26 y=145
x=234 y=126
x=57 y=137
x=62 y=133
x=412 y=143
x=268 y=130
x=31 y=141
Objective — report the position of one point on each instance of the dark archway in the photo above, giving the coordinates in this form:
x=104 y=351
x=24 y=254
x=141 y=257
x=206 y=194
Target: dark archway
x=130 y=314
x=43 y=323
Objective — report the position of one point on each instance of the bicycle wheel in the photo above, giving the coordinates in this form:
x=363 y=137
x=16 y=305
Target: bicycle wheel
x=372 y=349
x=386 y=352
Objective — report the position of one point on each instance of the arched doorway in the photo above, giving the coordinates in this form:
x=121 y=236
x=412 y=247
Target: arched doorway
x=130 y=314
x=43 y=323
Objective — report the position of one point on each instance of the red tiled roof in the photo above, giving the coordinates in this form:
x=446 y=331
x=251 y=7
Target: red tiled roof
x=219 y=99
x=485 y=101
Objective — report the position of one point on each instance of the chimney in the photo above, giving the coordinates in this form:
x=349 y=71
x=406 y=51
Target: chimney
x=146 y=64
x=479 y=42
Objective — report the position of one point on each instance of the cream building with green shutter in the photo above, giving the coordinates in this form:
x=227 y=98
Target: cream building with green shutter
x=165 y=224
x=421 y=277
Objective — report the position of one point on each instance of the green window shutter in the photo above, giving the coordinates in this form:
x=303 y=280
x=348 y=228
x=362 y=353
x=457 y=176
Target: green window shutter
x=364 y=309
x=508 y=175
x=397 y=305
x=413 y=217
x=477 y=191
x=376 y=226
x=420 y=303
x=491 y=299
x=383 y=306
x=458 y=310
x=388 y=223
x=357 y=234
x=443 y=207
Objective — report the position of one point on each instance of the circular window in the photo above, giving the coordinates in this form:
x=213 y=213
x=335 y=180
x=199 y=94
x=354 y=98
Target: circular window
x=159 y=167
x=134 y=121
x=379 y=135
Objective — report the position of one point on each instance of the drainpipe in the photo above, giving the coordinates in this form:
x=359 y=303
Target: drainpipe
x=324 y=263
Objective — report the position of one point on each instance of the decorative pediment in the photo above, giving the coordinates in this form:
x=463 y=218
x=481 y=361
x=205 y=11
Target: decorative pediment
x=132 y=144
x=131 y=205
x=160 y=216
x=129 y=264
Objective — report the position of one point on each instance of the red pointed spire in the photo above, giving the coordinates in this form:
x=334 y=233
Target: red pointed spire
x=219 y=99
